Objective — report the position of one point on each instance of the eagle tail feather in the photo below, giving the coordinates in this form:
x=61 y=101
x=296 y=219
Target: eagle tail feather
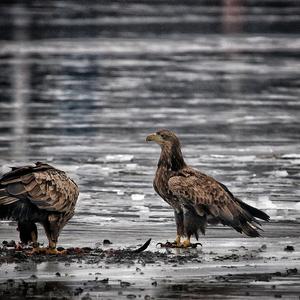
x=243 y=222
x=257 y=213
x=250 y=229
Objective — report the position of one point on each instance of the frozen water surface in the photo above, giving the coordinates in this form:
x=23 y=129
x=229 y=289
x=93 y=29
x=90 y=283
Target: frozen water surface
x=82 y=86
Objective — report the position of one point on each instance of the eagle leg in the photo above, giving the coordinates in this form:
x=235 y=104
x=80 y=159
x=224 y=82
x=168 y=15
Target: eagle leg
x=193 y=223
x=52 y=232
x=179 y=227
x=28 y=233
x=177 y=240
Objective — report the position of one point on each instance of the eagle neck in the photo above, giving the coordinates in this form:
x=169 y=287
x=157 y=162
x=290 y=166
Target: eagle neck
x=171 y=158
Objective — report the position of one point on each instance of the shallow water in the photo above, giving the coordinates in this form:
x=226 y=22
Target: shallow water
x=82 y=89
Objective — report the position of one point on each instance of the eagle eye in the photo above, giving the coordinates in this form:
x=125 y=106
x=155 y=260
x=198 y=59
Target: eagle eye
x=164 y=136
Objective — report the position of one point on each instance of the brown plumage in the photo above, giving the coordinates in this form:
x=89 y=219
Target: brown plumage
x=38 y=194
x=198 y=199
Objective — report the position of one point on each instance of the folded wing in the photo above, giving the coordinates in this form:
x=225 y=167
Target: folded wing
x=45 y=186
x=213 y=200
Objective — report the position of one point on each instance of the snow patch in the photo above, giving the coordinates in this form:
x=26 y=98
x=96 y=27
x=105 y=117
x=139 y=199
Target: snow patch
x=131 y=166
x=137 y=197
x=245 y=158
x=118 y=157
x=119 y=192
x=264 y=202
x=280 y=173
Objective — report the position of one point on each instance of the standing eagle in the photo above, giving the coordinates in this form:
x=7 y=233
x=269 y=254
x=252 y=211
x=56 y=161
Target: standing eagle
x=198 y=199
x=38 y=194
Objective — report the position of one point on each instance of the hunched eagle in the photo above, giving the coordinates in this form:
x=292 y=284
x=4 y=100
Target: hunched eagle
x=38 y=194
x=198 y=199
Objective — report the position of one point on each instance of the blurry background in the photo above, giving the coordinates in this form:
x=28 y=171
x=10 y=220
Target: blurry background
x=83 y=82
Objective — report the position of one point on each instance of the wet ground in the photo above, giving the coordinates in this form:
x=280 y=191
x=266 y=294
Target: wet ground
x=81 y=87
x=227 y=266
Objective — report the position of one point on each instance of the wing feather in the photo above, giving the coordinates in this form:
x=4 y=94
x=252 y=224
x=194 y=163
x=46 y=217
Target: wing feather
x=46 y=187
x=6 y=200
x=30 y=186
x=206 y=195
x=27 y=178
x=57 y=190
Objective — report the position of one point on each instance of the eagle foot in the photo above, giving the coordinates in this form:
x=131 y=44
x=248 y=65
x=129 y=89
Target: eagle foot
x=168 y=245
x=175 y=245
x=47 y=251
x=189 y=245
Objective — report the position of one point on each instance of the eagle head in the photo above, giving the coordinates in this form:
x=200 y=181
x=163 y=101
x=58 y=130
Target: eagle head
x=164 y=137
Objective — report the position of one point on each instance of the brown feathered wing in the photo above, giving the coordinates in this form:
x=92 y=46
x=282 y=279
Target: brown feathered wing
x=211 y=199
x=48 y=188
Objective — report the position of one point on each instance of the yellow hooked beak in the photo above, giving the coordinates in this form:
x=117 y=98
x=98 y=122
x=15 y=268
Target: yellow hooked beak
x=154 y=137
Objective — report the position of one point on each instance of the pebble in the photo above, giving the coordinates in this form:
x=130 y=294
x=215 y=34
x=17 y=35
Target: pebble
x=289 y=248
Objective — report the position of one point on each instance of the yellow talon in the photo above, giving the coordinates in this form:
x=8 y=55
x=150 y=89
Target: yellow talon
x=37 y=250
x=186 y=243
x=177 y=240
x=55 y=251
x=49 y=251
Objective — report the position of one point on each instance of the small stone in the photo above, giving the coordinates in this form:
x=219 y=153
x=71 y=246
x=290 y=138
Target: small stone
x=263 y=247
x=289 y=248
x=292 y=271
x=11 y=243
x=78 y=291
x=107 y=242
